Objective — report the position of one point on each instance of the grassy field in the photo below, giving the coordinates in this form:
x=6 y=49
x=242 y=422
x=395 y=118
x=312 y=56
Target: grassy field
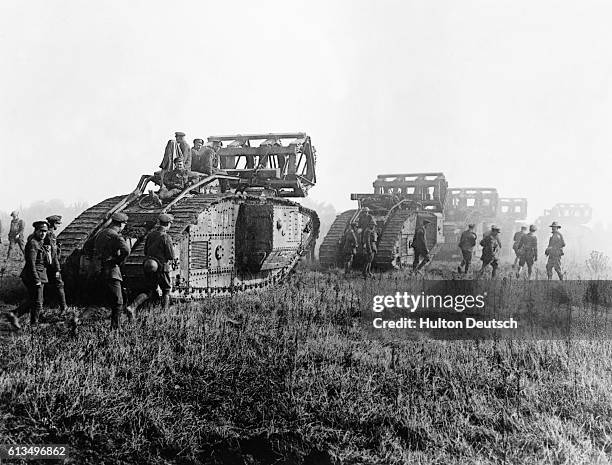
x=290 y=376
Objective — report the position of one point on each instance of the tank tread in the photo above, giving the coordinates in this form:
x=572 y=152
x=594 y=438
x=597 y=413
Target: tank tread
x=328 y=252
x=387 y=255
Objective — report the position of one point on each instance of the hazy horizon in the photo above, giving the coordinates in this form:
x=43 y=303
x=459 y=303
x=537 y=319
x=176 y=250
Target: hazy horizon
x=513 y=95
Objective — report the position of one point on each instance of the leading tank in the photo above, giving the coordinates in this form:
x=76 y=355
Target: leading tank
x=234 y=230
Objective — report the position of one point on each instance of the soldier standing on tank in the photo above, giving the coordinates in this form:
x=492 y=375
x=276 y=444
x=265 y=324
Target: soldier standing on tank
x=527 y=251
x=516 y=241
x=159 y=251
x=16 y=233
x=491 y=246
x=33 y=275
x=349 y=246
x=178 y=148
x=419 y=244
x=554 y=251
x=112 y=250
x=369 y=249
x=53 y=270
x=467 y=242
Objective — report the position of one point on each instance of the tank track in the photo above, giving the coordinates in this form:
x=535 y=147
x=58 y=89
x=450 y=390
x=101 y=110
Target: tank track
x=389 y=249
x=330 y=248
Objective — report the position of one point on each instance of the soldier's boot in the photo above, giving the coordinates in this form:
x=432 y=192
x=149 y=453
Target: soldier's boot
x=13 y=320
x=560 y=275
x=62 y=300
x=165 y=301
x=131 y=309
x=115 y=319
x=34 y=315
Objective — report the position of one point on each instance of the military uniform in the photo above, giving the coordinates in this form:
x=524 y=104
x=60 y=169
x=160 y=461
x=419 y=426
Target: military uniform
x=516 y=239
x=112 y=250
x=175 y=149
x=349 y=248
x=467 y=242
x=419 y=244
x=369 y=250
x=53 y=269
x=15 y=236
x=34 y=276
x=490 y=249
x=554 y=253
x=527 y=251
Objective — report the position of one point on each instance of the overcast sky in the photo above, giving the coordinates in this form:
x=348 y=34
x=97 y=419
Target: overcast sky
x=508 y=94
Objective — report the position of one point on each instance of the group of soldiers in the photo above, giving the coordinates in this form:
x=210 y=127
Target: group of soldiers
x=525 y=246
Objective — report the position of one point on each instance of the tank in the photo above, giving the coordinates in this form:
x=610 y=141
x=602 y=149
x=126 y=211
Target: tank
x=235 y=230
x=399 y=203
x=466 y=205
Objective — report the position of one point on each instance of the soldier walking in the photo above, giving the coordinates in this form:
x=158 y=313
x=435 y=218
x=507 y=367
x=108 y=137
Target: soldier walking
x=554 y=251
x=516 y=241
x=491 y=246
x=112 y=250
x=349 y=246
x=33 y=275
x=159 y=252
x=527 y=251
x=53 y=270
x=16 y=233
x=419 y=244
x=467 y=242
x=369 y=249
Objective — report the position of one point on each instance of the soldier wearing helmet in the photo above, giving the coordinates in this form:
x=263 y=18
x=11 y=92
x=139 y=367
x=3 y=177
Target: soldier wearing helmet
x=159 y=251
x=554 y=251
x=527 y=251
x=491 y=246
x=33 y=275
x=111 y=249
x=16 y=234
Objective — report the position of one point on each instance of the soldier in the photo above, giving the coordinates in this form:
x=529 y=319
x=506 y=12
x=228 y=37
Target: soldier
x=177 y=148
x=369 y=249
x=419 y=244
x=16 y=233
x=349 y=246
x=554 y=251
x=490 y=250
x=527 y=251
x=516 y=241
x=364 y=221
x=467 y=242
x=33 y=275
x=177 y=180
x=159 y=251
x=53 y=270
x=197 y=156
x=112 y=250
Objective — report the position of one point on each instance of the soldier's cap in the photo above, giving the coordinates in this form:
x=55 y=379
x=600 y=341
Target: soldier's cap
x=533 y=228
x=166 y=218
x=119 y=217
x=14 y=213
x=177 y=159
x=179 y=134
x=471 y=225
x=53 y=219
x=41 y=225
x=495 y=228
x=196 y=140
x=523 y=227
x=555 y=225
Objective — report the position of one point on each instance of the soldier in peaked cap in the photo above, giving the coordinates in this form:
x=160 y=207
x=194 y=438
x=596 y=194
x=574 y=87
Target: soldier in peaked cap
x=554 y=251
x=33 y=275
x=16 y=234
x=419 y=244
x=111 y=249
x=178 y=148
x=53 y=269
x=491 y=246
x=159 y=252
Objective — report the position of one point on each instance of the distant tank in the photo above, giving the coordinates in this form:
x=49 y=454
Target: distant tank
x=399 y=203
x=248 y=237
x=467 y=205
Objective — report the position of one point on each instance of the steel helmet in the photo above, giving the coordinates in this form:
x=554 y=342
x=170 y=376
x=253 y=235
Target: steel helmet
x=150 y=265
